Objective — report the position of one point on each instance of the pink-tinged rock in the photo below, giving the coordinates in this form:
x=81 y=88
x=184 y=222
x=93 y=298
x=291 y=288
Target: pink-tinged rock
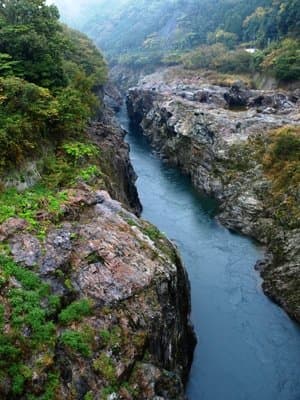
x=11 y=226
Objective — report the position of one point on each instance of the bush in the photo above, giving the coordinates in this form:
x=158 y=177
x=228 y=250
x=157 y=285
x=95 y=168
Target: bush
x=238 y=61
x=78 y=151
x=287 y=147
x=283 y=60
x=204 y=56
x=76 y=341
x=105 y=367
x=282 y=165
x=76 y=311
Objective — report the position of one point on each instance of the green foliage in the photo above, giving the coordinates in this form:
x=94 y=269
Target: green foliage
x=77 y=342
x=31 y=328
x=219 y=58
x=153 y=233
x=108 y=391
x=78 y=151
x=111 y=338
x=48 y=77
x=76 y=311
x=31 y=35
x=158 y=32
x=282 y=165
x=106 y=368
x=286 y=147
x=229 y=39
x=28 y=204
x=238 y=61
x=89 y=396
x=26 y=304
x=65 y=168
x=84 y=54
x=204 y=57
x=73 y=161
x=26 y=111
x=51 y=387
x=7 y=65
x=283 y=60
x=90 y=173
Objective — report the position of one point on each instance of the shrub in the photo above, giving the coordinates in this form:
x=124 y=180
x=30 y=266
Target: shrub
x=76 y=341
x=238 y=61
x=283 y=60
x=76 y=311
x=282 y=165
x=78 y=151
x=105 y=367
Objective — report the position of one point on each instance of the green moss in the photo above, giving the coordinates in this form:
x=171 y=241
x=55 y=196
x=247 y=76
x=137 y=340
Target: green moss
x=30 y=308
x=77 y=342
x=108 y=391
x=132 y=222
x=139 y=340
x=89 y=396
x=105 y=337
x=95 y=258
x=68 y=284
x=76 y=311
x=153 y=233
x=281 y=161
x=27 y=205
x=51 y=387
x=279 y=155
x=112 y=338
x=106 y=368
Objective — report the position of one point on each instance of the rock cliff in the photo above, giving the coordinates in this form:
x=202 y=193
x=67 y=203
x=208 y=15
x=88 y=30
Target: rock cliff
x=115 y=161
x=222 y=137
x=95 y=302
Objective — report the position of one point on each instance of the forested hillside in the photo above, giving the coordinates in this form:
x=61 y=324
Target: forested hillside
x=202 y=34
x=48 y=76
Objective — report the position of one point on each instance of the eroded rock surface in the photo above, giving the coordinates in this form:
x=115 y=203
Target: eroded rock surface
x=207 y=131
x=115 y=161
x=138 y=334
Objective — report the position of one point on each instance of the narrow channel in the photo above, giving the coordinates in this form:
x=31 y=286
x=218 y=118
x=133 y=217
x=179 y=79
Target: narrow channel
x=248 y=348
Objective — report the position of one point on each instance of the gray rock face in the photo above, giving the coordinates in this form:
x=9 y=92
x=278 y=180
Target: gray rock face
x=140 y=294
x=58 y=249
x=202 y=133
x=26 y=249
x=117 y=166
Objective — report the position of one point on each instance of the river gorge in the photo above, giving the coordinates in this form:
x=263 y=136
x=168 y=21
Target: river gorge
x=248 y=348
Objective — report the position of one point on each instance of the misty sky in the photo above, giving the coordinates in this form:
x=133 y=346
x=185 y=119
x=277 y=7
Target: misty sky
x=75 y=13
x=72 y=11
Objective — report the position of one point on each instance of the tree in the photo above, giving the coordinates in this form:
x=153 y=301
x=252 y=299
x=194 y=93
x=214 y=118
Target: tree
x=31 y=34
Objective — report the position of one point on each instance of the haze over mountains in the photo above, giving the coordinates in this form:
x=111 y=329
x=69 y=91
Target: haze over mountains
x=76 y=14
x=196 y=33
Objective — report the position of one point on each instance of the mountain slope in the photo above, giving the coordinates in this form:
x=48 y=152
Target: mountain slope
x=140 y=33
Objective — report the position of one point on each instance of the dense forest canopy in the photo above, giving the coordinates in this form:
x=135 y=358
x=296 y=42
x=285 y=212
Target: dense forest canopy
x=188 y=23
x=198 y=33
x=48 y=74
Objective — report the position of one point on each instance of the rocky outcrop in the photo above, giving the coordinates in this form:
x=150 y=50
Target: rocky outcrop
x=115 y=162
x=207 y=131
x=134 y=341
x=95 y=302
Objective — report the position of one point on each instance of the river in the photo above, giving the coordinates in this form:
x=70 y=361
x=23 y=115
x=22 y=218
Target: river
x=248 y=348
